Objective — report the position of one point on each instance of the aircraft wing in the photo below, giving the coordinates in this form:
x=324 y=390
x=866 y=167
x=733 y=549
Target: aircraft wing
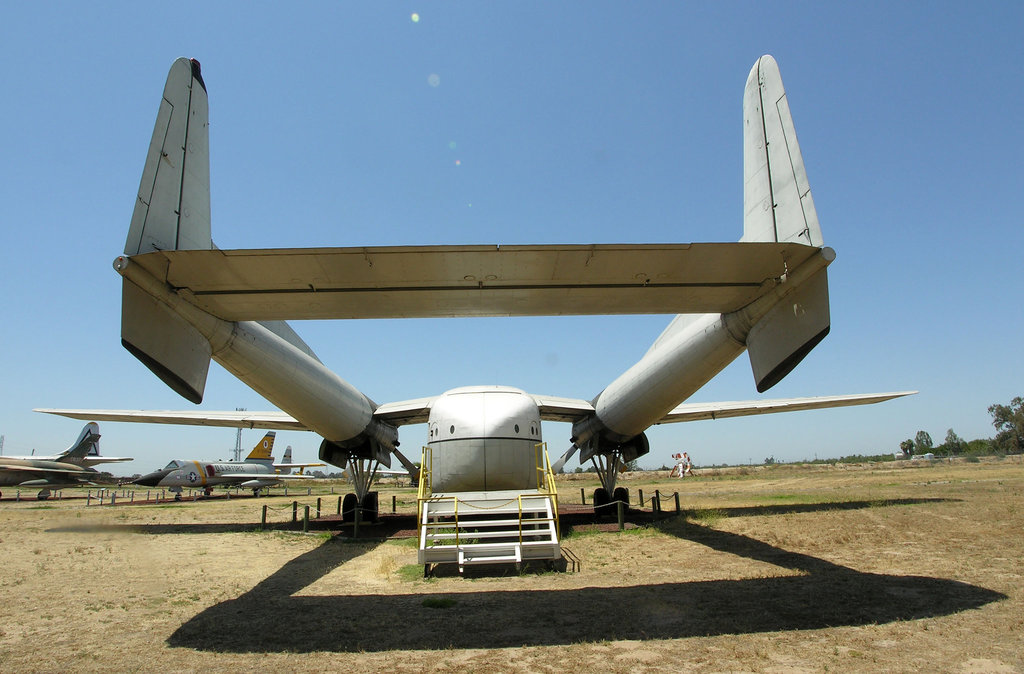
x=275 y=420
x=725 y=410
x=448 y=281
x=95 y=460
x=243 y=477
x=553 y=408
x=415 y=411
x=36 y=469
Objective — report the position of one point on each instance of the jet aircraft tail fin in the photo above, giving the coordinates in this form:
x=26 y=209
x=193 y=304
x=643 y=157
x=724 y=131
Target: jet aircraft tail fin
x=288 y=458
x=264 y=449
x=88 y=442
x=172 y=212
x=777 y=206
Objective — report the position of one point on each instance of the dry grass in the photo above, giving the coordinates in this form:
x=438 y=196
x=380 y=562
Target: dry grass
x=789 y=569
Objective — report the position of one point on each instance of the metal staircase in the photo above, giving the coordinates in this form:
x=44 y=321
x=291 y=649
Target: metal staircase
x=488 y=527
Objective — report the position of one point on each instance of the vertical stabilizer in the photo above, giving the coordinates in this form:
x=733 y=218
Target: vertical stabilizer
x=172 y=211
x=777 y=203
x=287 y=461
x=264 y=449
x=88 y=442
x=777 y=206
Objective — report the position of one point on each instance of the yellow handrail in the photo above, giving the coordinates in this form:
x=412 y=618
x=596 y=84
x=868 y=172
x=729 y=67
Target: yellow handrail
x=545 y=487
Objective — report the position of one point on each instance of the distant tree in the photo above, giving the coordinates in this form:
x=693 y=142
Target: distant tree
x=980 y=447
x=633 y=465
x=954 y=444
x=579 y=469
x=1009 y=423
x=769 y=460
x=907 y=447
x=922 y=442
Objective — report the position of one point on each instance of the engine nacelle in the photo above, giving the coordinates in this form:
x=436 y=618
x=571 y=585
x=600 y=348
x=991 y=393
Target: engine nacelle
x=629 y=450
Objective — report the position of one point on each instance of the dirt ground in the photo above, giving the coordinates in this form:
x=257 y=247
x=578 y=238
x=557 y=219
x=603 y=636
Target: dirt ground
x=864 y=568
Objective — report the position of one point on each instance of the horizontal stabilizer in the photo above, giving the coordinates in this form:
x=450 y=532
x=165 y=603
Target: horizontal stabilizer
x=449 y=281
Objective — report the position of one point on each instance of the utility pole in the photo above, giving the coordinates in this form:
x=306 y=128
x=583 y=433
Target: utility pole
x=238 y=438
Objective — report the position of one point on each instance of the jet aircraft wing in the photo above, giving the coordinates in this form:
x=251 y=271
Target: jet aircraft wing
x=242 y=477
x=274 y=420
x=37 y=469
x=447 y=281
x=742 y=408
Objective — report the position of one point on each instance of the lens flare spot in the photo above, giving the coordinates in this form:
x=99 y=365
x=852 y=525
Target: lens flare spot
x=415 y=17
x=458 y=162
x=434 y=80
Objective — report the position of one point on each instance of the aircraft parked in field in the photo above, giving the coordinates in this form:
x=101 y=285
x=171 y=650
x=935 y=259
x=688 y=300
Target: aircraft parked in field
x=257 y=471
x=184 y=301
x=91 y=458
x=71 y=467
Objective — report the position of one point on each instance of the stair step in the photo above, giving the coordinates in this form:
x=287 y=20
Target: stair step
x=450 y=536
x=465 y=523
x=504 y=527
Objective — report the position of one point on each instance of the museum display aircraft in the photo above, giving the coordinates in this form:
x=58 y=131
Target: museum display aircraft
x=184 y=301
x=91 y=458
x=71 y=467
x=257 y=471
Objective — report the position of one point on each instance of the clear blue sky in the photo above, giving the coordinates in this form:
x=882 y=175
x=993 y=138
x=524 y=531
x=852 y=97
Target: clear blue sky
x=341 y=123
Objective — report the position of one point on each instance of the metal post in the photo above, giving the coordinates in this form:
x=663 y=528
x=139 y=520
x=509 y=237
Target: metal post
x=263 y=520
x=677 y=503
x=318 y=507
x=295 y=511
x=622 y=514
x=339 y=505
x=305 y=520
x=309 y=491
x=641 y=497
x=583 y=496
x=394 y=503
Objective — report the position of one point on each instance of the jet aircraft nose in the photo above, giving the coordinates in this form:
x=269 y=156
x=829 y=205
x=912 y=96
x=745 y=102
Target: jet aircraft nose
x=152 y=479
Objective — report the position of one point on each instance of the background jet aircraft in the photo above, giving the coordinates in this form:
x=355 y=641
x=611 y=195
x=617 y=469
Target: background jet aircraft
x=92 y=458
x=185 y=302
x=257 y=471
x=69 y=468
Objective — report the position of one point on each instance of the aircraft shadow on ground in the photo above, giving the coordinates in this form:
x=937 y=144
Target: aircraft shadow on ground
x=822 y=594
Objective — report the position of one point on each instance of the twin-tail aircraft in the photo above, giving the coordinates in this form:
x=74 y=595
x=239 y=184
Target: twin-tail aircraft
x=257 y=471
x=71 y=467
x=184 y=301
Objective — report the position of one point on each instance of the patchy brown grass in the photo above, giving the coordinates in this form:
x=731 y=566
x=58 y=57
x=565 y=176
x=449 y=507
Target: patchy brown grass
x=868 y=568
